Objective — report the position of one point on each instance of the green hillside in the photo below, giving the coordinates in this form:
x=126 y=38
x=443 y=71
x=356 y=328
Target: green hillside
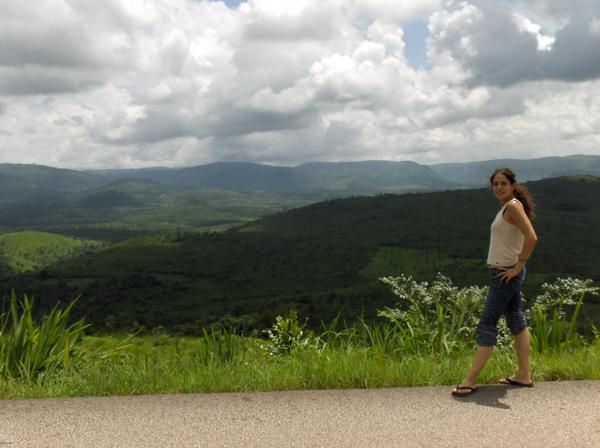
x=47 y=178
x=115 y=205
x=113 y=218
x=30 y=251
x=320 y=259
x=129 y=208
x=124 y=192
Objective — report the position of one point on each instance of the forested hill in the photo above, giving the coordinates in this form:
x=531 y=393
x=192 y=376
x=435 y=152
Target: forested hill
x=321 y=260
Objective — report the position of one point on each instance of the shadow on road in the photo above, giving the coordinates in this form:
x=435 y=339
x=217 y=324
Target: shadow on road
x=487 y=395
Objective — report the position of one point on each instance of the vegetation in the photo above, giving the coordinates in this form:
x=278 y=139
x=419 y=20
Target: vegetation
x=227 y=291
x=29 y=349
x=429 y=342
x=552 y=328
x=319 y=260
x=116 y=214
x=31 y=251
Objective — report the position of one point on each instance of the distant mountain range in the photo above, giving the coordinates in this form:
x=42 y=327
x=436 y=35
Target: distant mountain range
x=477 y=173
x=37 y=184
x=343 y=177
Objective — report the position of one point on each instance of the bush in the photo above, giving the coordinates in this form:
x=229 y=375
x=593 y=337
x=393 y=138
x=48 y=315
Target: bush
x=287 y=335
x=28 y=348
x=552 y=329
x=441 y=318
x=436 y=318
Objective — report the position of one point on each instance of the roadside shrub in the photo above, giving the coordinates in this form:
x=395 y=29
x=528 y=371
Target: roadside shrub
x=552 y=327
x=433 y=318
x=28 y=348
x=287 y=335
x=441 y=318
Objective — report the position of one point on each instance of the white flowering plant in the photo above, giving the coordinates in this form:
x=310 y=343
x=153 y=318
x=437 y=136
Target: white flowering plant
x=441 y=317
x=552 y=328
x=438 y=317
x=287 y=335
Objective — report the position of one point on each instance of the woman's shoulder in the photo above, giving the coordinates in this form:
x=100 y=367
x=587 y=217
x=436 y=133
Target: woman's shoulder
x=514 y=204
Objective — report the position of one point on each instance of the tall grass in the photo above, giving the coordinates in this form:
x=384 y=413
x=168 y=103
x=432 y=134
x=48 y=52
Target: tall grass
x=29 y=349
x=219 y=347
x=552 y=328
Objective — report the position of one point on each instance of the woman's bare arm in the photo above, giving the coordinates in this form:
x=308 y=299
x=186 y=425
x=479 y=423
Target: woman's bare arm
x=517 y=216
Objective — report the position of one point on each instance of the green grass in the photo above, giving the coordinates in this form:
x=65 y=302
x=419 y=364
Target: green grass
x=167 y=364
x=29 y=349
x=423 y=264
x=428 y=340
x=28 y=251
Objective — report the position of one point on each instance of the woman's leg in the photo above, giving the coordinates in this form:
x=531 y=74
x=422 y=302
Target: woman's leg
x=522 y=343
x=517 y=324
x=479 y=361
x=499 y=296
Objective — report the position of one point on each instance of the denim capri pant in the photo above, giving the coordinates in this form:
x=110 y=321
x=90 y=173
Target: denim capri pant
x=503 y=299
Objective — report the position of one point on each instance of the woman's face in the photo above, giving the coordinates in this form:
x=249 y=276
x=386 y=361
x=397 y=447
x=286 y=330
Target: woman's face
x=502 y=187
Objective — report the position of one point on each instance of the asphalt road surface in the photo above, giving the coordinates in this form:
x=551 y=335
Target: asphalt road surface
x=552 y=414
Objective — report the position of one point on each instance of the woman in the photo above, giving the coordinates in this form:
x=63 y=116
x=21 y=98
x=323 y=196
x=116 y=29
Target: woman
x=511 y=244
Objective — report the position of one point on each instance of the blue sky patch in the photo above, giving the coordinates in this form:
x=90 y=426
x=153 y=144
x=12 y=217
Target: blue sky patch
x=415 y=36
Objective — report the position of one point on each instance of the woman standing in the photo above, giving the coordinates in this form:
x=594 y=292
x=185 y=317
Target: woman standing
x=511 y=244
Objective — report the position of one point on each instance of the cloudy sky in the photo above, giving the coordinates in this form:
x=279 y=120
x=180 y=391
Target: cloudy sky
x=137 y=83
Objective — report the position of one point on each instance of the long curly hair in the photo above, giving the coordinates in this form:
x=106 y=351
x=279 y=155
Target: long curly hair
x=520 y=191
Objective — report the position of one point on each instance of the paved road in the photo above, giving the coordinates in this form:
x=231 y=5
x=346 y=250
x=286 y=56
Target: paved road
x=553 y=414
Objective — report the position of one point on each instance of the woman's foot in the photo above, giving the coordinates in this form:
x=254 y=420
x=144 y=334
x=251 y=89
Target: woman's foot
x=463 y=391
x=465 y=388
x=515 y=380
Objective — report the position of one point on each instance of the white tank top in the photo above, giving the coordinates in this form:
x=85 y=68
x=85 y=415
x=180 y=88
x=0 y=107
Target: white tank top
x=506 y=241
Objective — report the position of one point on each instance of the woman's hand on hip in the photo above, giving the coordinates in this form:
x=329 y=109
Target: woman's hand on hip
x=508 y=274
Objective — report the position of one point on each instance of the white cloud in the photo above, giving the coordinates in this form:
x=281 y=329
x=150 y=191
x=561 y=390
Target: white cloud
x=545 y=42
x=179 y=82
x=403 y=11
x=595 y=27
x=500 y=47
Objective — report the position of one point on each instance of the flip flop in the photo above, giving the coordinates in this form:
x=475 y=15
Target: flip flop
x=509 y=381
x=458 y=388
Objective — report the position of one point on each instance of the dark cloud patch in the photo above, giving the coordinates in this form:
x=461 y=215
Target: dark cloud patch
x=156 y=126
x=40 y=81
x=53 y=47
x=575 y=55
x=169 y=122
x=488 y=42
x=503 y=103
x=288 y=30
x=562 y=9
x=58 y=48
x=498 y=52
x=235 y=122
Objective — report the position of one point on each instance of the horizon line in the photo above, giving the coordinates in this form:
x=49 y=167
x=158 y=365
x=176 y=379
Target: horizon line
x=292 y=166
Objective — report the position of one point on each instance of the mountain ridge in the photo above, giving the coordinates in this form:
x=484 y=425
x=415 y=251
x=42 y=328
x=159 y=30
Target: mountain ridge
x=21 y=181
